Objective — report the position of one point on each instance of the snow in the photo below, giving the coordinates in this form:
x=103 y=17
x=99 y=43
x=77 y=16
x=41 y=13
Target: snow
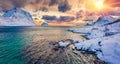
x=64 y=43
x=111 y=50
x=102 y=31
x=88 y=45
x=106 y=48
x=96 y=34
x=10 y=12
x=81 y=30
x=103 y=40
x=114 y=27
x=16 y=17
x=102 y=20
x=77 y=40
x=89 y=24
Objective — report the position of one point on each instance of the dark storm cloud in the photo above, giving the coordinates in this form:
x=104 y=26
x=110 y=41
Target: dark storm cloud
x=65 y=19
x=50 y=18
x=19 y=3
x=60 y=19
x=64 y=7
x=38 y=4
x=8 y=4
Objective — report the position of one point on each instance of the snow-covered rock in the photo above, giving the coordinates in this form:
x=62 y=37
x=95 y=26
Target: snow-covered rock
x=64 y=43
x=111 y=50
x=77 y=40
x=115 y=26
x=104 y=40
x=106 y=48
x=99 y=31
x=16 y=17
x=91 y=45
x=102 y=20
x=106 y=30
x=90 y=24
x=96 y=32
x=81 y=30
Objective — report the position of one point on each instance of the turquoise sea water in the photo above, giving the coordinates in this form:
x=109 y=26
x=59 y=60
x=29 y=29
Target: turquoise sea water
x=13 y=39
x=11 y=43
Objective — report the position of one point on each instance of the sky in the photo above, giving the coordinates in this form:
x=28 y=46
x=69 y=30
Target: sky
x=63 y=10
x=7 y=4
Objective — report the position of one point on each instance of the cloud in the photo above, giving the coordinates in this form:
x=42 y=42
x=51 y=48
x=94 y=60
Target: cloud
x=65 y=19
x=19 y=3
x=53 y=2
x=62 y=5
x=114 y=3
x=36 y=4
x=63 y=8
x=8 y=4
x=60 y=19
x=45 y=5
x=50 y=18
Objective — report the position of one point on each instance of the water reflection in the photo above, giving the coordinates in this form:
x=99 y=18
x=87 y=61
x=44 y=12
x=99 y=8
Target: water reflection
x=13 y=39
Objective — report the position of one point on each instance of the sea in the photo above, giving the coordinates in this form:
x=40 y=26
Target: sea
x=13 y=39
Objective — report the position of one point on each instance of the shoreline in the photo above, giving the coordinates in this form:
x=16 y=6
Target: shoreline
x=40 y=52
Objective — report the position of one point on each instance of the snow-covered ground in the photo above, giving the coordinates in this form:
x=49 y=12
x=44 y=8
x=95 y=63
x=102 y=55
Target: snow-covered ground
x=16 y=17
x=102 y=20
x=106 y=48
x=104 y=40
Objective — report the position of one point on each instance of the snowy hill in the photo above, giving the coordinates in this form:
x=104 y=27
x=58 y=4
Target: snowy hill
x=103 y=40
x=102 y=20
x=16 y=17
